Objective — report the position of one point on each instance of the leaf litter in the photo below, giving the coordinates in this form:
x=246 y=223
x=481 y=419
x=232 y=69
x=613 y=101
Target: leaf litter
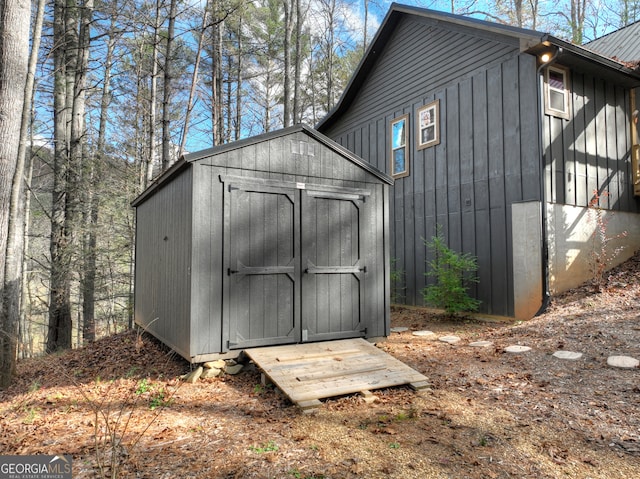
x=488 y=414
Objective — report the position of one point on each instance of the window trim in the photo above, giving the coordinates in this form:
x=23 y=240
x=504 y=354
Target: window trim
x=548 y=109
x=435 y=106
x=394 y=121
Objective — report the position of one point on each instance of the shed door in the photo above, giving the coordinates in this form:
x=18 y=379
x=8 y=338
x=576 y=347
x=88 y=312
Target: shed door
x=293 y=263
x=259 y=244
x=332 y=265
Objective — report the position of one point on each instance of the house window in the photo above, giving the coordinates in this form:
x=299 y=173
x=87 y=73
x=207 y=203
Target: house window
x=399 y=151
x=557 y=92
x=428 y=130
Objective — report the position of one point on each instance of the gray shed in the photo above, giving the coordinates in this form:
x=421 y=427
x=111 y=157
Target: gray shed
x=281 y=238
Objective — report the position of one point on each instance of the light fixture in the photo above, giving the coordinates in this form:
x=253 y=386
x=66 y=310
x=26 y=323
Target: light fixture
x=545 y=57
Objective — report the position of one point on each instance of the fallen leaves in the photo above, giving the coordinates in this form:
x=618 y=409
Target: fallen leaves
x=488 y=414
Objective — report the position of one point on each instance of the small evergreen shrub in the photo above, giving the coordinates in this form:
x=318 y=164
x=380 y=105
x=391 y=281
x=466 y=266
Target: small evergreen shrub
x=453 y=273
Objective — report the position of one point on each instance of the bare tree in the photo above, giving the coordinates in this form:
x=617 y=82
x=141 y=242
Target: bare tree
x=71 y=55
x=216 y=80
x=14 y=54
x=153 y=99
x=194 y=77
x=289 y=22
x=167 y=87
x=20 y=190
x=576 y=21
x=92 y=203
x=297 y=60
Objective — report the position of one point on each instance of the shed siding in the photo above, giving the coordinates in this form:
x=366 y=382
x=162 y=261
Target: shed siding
x=163 y=260
x=206 y=315
x=592 y=150
x=297 y=159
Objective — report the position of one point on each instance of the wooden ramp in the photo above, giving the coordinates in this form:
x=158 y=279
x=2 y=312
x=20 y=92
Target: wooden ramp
x=308 y=372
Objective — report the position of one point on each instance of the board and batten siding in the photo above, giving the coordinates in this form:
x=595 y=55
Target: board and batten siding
x=591 y=151
x=226 y=236
x=487 y=158
x=296 y=160
x=422 y=57
x=163 y=262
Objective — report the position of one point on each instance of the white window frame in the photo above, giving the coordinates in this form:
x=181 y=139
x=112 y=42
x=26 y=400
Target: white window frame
x=428 y=116
x=565 y=92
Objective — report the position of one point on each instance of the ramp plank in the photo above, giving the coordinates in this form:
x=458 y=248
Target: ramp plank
x=306 y=373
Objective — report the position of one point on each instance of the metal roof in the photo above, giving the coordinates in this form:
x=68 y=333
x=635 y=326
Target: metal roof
x=623 y=44
x=534 y=42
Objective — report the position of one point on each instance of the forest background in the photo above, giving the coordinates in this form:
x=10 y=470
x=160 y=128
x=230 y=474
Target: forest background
x=100 y=96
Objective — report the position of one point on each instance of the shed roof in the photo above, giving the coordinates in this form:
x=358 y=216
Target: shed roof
x=185 y=160
x=623 y=44
x=531 y=41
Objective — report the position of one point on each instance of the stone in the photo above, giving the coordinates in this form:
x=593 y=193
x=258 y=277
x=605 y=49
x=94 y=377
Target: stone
x=425 y=334
x=449 y=339
x=399 y=329
x=481 y=344
x=570 y=355
x=625 y=362
x=219 y=364
x=210 y=373
x=369 y=397
x=195 y=375
x=516 y=348
x=235 y=369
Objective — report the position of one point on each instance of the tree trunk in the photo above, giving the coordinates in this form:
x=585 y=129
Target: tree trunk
x=194 y=80
x=288 y=33
x=59 y=335
x=168 y=80
x=93 y=205
x=228 y=104
x=18 y=239
x=297 y=101
x=578 y=11
x=216 y=84
x=238 y=119
x=14 y=52
x=71 y=35
x=75 y=186
x=153 y=99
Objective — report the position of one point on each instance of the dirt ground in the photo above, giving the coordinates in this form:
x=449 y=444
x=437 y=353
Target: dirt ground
x=489 y=414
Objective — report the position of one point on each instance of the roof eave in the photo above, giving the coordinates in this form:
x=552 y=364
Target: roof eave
x=530 y=40
x=173 y=170
x=586 y=55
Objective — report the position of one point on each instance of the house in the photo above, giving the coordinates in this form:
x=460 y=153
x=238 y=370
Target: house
x=280 y=238
x=503 y=137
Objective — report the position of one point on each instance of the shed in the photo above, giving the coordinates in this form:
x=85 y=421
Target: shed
x=280 y=238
